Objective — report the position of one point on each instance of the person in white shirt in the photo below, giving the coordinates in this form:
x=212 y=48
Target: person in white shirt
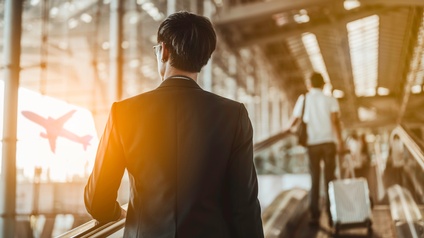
x=323 y=130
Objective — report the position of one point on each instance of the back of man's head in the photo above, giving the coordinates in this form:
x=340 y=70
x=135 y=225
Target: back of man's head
x=317 y=81
x=190 y=39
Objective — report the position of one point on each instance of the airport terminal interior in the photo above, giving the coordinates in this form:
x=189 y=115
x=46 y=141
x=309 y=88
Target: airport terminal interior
x=64 y=62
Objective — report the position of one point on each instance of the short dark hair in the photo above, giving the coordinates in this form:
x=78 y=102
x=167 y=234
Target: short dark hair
x=190 y=39
x=317 y=81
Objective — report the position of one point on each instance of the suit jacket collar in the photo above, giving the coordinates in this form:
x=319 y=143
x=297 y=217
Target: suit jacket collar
x=179 y=81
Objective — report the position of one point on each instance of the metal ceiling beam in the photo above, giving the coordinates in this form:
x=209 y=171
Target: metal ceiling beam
x=381 y=122
x=88 y=4
x=412 y=116
x=419 y=115
x=411 y=112
x=390 y=99
x=311 y=27
x=414 y=62
x=386 y=108
x=394 y=2
x=416 y=101
x=255 y=11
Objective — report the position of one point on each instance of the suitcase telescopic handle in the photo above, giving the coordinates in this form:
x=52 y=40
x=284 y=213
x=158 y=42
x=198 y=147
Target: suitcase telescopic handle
x=341 y=155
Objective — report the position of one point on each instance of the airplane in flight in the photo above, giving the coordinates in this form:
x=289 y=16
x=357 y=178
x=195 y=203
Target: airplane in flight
x=54 y=128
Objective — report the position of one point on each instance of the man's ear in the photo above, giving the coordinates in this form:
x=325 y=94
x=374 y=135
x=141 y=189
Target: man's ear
x=165 y=53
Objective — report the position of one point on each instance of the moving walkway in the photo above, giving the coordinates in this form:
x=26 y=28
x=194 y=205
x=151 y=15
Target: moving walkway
x=397 y=213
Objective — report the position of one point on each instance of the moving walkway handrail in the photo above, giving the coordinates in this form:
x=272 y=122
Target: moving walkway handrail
x=412 y=145
x=94 y=229
x=271 y=141
x=402 y=205
x=414 y=137
x=404 y=209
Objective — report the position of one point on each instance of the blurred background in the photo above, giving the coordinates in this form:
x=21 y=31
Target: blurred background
x=79 y=56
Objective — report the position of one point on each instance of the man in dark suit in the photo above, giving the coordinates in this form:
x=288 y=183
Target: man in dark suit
x=188 y=152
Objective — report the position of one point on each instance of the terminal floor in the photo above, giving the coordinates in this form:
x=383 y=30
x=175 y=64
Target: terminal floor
x=382 y=222
x=382 y=227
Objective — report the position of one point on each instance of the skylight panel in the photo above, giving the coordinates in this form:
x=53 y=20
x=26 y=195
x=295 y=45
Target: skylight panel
x=367 y=114
x=312 y=48
x=338 y=93
x=416 y=89
x=301 y=17
x=351 y=4
x=363 y=45
x=383 y=91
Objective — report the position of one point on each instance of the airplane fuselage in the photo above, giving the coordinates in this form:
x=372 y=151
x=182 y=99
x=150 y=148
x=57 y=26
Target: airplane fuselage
x=54 y=128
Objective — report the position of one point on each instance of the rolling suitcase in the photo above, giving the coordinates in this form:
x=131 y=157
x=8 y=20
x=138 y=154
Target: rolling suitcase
x=350 y=204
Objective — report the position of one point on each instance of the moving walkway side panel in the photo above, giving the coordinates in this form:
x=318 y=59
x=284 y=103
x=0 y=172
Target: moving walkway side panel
x=413 y=170
x=416 y=149
x=80 y=229
x=282 y=217
x=408 y=190
x=406 y=215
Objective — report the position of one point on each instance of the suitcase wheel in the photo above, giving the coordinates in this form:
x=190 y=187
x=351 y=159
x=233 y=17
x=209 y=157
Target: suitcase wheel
x=337 y=229
x=369 y=229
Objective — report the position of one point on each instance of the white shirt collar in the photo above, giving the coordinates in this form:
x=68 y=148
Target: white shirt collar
x=315 y=90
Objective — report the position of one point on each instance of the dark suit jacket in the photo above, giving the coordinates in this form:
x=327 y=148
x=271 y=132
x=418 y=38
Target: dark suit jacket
x=189 y=154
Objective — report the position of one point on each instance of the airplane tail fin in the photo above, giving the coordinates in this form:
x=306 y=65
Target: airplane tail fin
x=85 y=141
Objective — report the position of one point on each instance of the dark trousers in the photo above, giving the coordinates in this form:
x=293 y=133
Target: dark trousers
x=327 y=153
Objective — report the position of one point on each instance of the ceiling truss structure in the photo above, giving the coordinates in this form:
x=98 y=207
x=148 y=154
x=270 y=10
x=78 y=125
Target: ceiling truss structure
x=270 y=25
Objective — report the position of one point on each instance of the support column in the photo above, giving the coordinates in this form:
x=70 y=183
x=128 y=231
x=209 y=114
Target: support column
x=275 y=111
x=171 y=7
x=12 y=53
x=258 y=118
x=134 y=53
x=264 y=103
x=115 y=54
x=206 y=79
x=286 y=113
x=193 y=6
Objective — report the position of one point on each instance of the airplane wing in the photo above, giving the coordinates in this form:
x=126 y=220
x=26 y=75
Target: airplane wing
x=35 y=118
x=61 y=120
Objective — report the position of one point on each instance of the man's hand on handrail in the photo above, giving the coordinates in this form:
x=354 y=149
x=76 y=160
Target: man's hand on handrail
x=123 y=214
x=271 y=140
